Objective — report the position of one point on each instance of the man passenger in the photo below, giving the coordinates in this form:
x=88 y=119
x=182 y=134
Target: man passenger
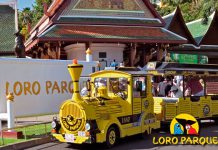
x=163 y=87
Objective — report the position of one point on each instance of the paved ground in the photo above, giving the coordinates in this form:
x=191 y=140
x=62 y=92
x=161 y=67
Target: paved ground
x=135 y=142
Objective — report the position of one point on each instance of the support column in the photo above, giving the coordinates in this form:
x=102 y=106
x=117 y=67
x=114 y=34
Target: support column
x=0 y=126
x=10 y=110
x=144 y=48
x=58 y=50
x=62 y=52
x=133 y=54
x=160 y=54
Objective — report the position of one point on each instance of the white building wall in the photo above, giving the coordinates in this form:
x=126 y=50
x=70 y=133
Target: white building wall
x=39 y=86
x=113 y=51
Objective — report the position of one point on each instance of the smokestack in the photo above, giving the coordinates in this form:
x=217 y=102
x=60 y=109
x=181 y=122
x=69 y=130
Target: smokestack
x=75 y=71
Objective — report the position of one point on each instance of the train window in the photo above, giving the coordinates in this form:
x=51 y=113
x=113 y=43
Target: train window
x=118 y=86
x=139 y=87
x=212 y=86
x=194 y=86
x=100 y=82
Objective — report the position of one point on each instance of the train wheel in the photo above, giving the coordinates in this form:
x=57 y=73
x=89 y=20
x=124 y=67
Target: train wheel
x=216 y=121
x=111 y=137
x=144 y=135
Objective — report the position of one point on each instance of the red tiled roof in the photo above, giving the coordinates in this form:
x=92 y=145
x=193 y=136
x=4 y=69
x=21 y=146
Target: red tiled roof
x=110 y=33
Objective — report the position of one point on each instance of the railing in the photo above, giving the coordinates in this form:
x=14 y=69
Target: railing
x=29 y=132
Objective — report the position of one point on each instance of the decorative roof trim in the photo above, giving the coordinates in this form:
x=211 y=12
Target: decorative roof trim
x=110 y=17
x=177 y=13
x=214 y=15
x=153 y=11
x=175 y=34
x=51 y=10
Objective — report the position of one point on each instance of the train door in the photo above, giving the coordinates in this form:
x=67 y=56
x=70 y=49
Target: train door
x=139 y=93
x=143 y=97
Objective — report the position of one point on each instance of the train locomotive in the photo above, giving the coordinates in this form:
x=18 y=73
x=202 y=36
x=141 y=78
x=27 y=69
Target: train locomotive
x=120 y=103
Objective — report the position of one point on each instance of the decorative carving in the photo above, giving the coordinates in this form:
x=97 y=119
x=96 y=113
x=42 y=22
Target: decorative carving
x=116 y=3
x=19 y=46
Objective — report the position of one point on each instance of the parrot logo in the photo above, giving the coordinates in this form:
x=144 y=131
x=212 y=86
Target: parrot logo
x=184 y=124
x=191 y=130
x=177 y=129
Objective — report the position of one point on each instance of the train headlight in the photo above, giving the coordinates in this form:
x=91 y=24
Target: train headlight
x=88 y=126
x=53 y=124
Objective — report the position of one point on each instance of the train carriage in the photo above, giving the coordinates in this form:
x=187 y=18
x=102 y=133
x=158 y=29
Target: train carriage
x=204 y=106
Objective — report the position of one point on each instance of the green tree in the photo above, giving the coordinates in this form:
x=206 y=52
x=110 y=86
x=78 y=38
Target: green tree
x=38 y=9
x=191 y=9
x=25 y=20
x=28 y=18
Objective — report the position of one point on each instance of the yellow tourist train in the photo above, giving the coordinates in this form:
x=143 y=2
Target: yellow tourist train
x=118 y=103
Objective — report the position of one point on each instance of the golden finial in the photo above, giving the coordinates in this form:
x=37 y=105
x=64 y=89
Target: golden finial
x=10 y=97
x=88 y=51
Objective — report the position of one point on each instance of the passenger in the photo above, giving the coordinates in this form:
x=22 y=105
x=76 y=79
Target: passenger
x=100 y=82
x=178 y=79
x=175 y=81
x=196 y=87
x=123 y=84
x=153 y=88
x=201 y=82
x=143 y=83
x=84 y=91
x=187 y=89
x=163 y=87
x=175 y=92
x=181 y=85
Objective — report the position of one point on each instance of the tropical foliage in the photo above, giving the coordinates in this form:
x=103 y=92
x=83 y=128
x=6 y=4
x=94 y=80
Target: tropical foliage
x=28 y=18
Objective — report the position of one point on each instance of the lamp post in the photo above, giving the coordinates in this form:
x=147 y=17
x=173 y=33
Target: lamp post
x=10 y=110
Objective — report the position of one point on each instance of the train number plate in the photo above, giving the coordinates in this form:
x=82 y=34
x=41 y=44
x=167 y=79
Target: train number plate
x=69 y=138
x=81 y=133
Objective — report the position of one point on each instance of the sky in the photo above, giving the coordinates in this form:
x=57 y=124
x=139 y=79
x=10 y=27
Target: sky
x=22 y=3
x=25 y=3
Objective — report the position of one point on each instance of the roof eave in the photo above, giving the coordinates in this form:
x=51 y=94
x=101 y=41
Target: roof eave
x=51 y=11
x=112 y=40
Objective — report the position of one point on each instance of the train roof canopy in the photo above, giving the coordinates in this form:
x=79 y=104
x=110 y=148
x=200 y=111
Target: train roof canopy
x=183 y=69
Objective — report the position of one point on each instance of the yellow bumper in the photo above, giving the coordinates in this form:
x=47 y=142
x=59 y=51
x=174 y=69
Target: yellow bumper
x=77 y=139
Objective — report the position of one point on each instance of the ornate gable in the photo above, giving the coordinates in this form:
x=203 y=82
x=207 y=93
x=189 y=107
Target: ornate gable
x=125 y=12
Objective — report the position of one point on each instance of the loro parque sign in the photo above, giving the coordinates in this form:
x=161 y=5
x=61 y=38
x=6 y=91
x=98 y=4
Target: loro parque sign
x=35 y=87
x=39 y=86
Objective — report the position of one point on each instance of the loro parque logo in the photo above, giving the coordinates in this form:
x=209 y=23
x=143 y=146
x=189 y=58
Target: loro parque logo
x=184 y=129
x=184 y=124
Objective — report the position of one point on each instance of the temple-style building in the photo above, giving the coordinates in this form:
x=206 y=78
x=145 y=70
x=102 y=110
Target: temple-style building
x=7 y=29
x=201 y=38
x=129 y=31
